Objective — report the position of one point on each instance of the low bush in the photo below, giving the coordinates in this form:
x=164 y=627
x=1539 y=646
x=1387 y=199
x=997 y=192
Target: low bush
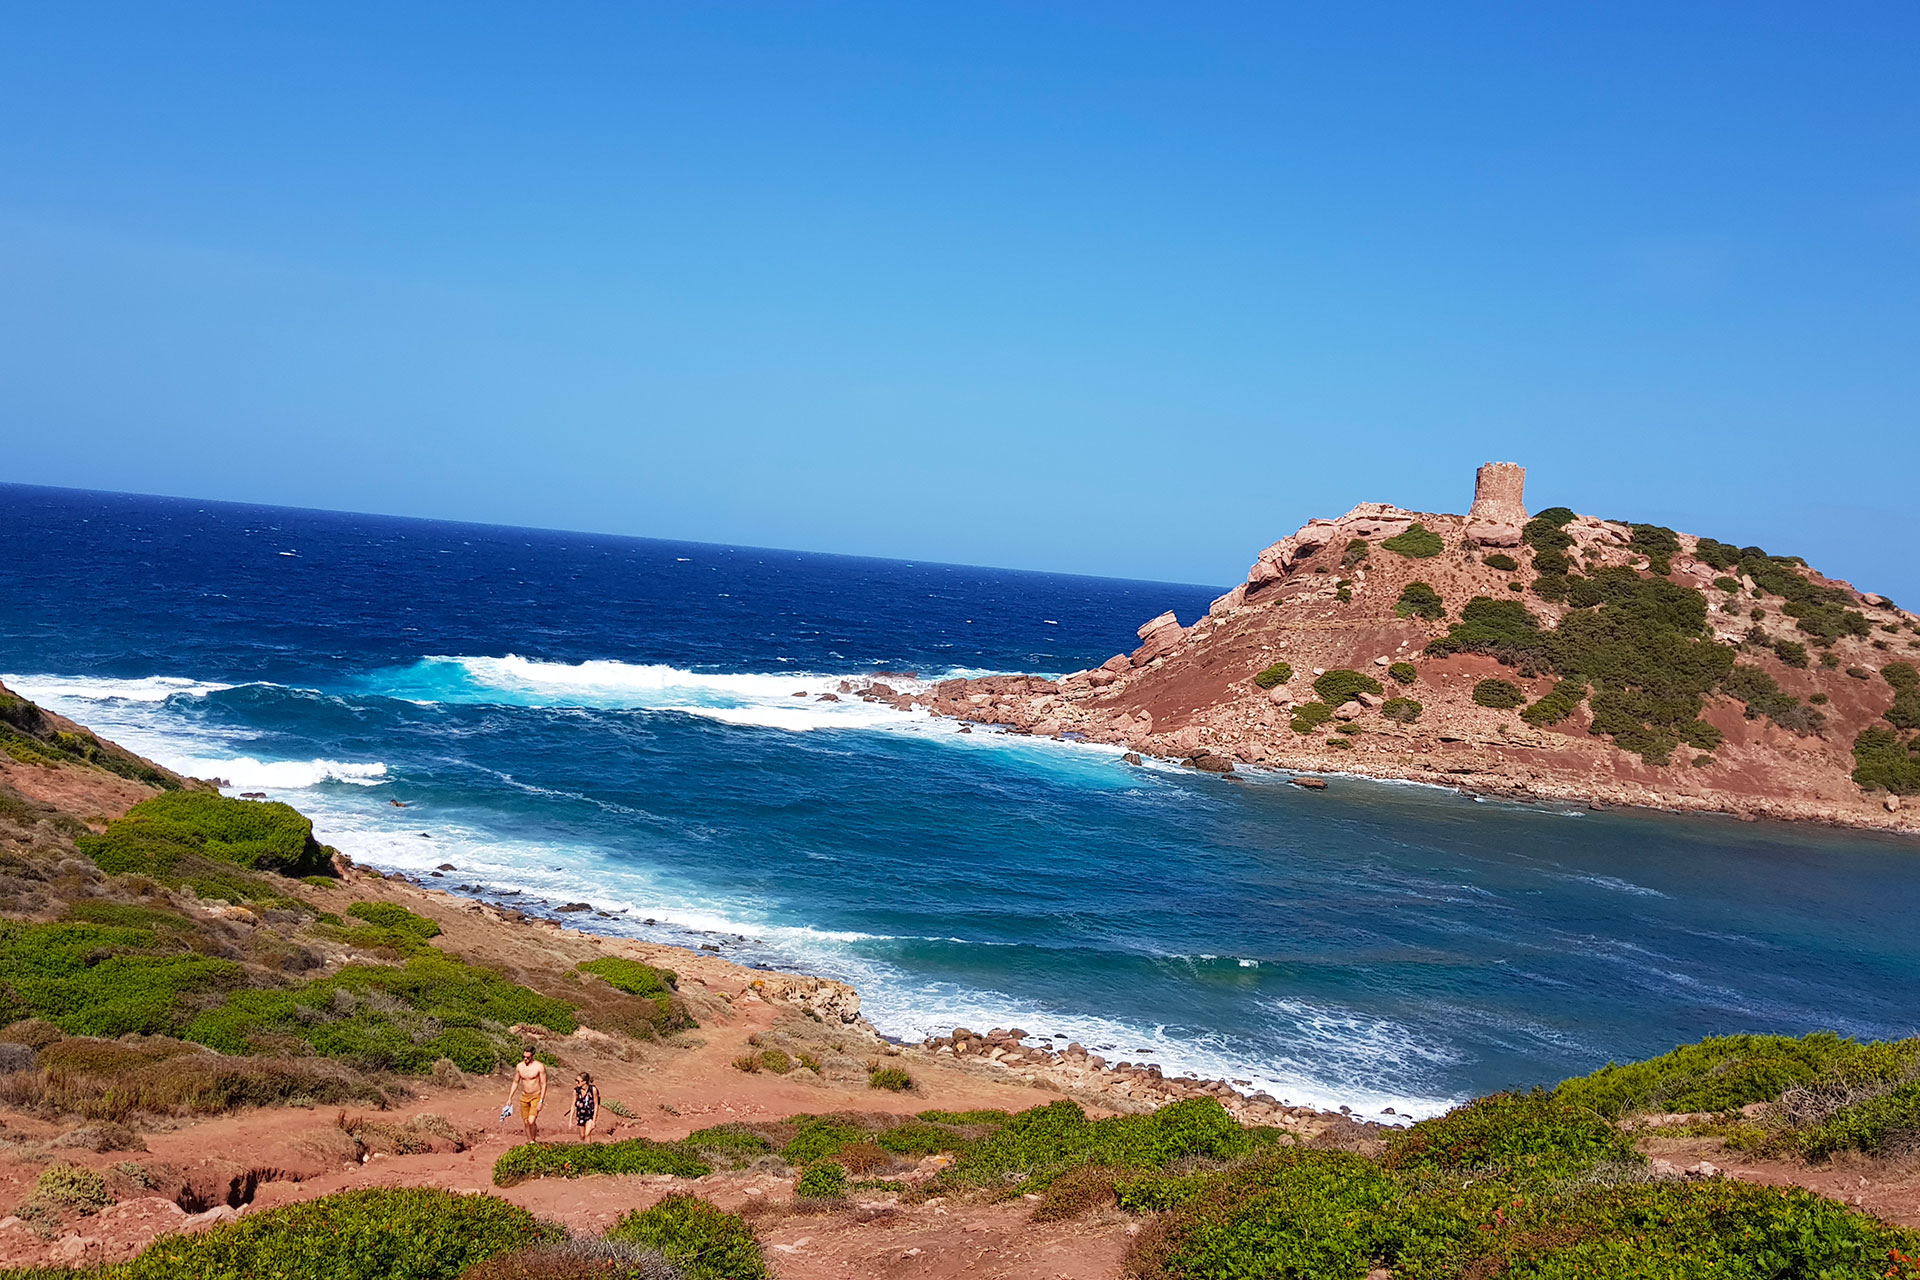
x=727 y=1146
x=1401 y=710
x=1341 y=685
x=645 y=981
x=62 y=1190
x=1658 y=544
x=104 y=980
x=892 y=1079
x=157 y=834
x=1403 y=672
x=1514 y=1136
x=823 y=1181
x=1905 y=679
x=919 y=1139
x=994 y=1118
x=1729 y=585
x=1420 y=600
x=1500 y=560
x=1559 y=703
x=1309 y=716
x=1722 y=1073
x=705 y=1242
x=1417 y=543
x=584 y=1159
x=1881 y=761
x=1502 y=695
x=1793 y=653
x=818 y=1137
x=391 y=915
x=1037 y=1145
x=404 y=1233
x=1884 y=1123
x=1277 y=674
x=391 y=1018
x=1356 y=553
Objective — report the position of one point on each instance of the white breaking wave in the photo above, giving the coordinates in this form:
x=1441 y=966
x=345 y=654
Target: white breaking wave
x=244 y=773
x=49 y=690
x=134 y=713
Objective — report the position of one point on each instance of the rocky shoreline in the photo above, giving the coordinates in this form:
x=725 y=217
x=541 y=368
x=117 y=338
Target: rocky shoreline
x=1002 y=1053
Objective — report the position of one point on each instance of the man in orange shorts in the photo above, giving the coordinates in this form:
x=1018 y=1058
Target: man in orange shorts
x=528 y=1090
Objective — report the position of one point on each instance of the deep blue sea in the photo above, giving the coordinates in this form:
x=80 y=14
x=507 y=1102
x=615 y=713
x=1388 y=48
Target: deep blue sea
x=613 y=720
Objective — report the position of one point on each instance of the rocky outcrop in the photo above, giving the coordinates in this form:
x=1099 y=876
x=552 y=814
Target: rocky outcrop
x=1158 y=637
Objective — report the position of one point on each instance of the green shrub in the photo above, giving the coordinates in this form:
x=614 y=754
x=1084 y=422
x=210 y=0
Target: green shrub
x=1559 y=703
x=585 y=1159
x=406 y=1233
x=1792 y=652
x=1884 y=1125
x=819 y=1137
x=125 y=915
x=1502 y=695
x=1037 y=1145
x=995 y=1118
x=1355 y=554
x=65 y=1188
x=389 y=1018
x=1300 y=1215
x=1882 y=761
x=1417 y=543
x=1658 y=544
x=104 y=980
x=892 y=1079
x=1309 y=716
x=391 y=915
x=1721 y=1073
x=1420 y=600
x=631 y=976
x=156 y=835
x=1534 y=1135
x=1341 y=685
x=1905 y=679
x=919 y=1139
x=649 y=983
x=705 y=1242
x=1500 y=560
x=1401 y=710
x=1277 y=674
x=1717 y=555
x=727 y=1146
x=1403 y=672
x=823 y=1181
x=1729 y=585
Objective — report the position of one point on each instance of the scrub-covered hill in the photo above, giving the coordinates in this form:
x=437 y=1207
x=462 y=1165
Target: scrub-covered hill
x=1545 y=653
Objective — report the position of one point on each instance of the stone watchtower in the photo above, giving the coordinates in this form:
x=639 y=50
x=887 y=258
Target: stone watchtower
x=1499 y=504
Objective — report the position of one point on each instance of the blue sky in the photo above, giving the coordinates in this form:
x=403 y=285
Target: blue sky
x=1105 y=288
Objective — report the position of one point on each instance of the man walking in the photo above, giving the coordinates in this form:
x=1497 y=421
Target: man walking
x=528 y=1090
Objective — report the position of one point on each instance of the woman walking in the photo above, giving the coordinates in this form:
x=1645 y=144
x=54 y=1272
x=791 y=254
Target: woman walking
x=586 y=1104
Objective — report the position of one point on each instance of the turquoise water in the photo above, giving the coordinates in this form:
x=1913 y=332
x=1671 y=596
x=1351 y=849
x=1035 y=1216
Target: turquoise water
x=613 y=720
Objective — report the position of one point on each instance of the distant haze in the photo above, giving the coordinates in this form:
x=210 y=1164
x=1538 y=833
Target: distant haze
x=1120 y=289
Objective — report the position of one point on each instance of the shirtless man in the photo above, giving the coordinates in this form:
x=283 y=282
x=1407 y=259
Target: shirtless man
x=528 y=1090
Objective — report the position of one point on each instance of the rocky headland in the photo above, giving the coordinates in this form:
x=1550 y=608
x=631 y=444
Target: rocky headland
x=1541 y=655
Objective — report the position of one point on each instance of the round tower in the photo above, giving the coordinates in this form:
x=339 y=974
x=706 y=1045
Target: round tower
x=1499 y=494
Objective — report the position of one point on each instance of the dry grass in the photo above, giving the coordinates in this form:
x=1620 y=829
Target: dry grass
x=112 y=1080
